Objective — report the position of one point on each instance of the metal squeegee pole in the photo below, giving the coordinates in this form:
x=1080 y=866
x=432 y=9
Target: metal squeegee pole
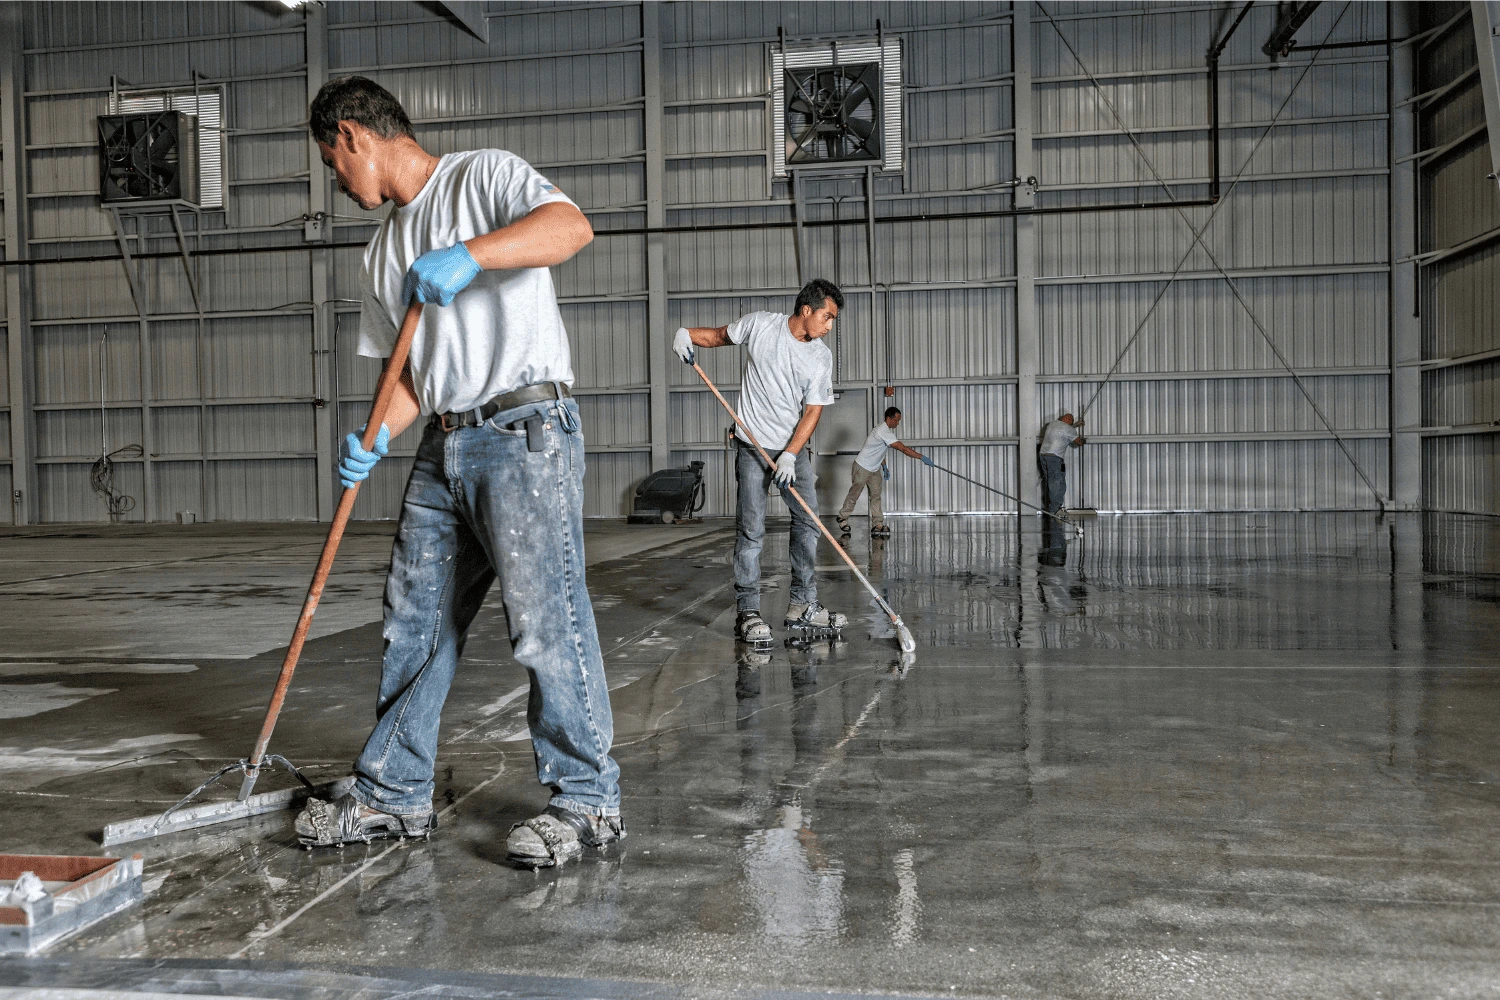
x=986 y=486
x=389 y=379
x=895 y=618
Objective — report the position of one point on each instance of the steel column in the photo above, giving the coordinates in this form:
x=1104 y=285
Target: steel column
x=656 y=252
x=1405 y=324
x=17 y=284
x=1028 y=342
x=325 y=387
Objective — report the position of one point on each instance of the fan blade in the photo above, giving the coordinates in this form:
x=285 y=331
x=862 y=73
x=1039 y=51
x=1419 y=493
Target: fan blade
x=860 y=127
x=802 y=139
x=858 y=94
x=799 y=106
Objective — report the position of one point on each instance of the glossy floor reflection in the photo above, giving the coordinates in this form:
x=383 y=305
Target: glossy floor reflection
x=1187 y=756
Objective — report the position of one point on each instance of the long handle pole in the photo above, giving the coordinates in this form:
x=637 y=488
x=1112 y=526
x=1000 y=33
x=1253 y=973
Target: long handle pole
x=903 y=635
x=986 y=486
x=389 y=380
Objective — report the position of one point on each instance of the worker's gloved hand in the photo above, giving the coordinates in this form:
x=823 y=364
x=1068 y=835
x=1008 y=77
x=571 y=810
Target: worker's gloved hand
x=438 y=275
x=786 y=469
x=682 y=345
x=927 y=461
x=885 y=472
x=354 y=462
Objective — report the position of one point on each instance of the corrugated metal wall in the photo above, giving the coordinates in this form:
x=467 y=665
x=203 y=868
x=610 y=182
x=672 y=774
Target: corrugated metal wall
x=1460 y=220
x=1201 y=414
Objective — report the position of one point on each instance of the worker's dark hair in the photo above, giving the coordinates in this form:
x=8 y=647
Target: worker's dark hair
x=892 y=411
x=815 y=293
x=357 y=99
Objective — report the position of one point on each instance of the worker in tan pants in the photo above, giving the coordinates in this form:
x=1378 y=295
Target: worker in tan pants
x=866 y=472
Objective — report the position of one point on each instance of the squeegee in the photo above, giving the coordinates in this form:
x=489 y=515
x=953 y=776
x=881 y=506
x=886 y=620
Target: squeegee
x=184 y=817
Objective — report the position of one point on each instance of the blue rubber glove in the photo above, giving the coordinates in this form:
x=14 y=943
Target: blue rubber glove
x=885 y=472
x=786 y=469
x=355 y=463
x=438 y=275
x=682 y=345
x=927 y=461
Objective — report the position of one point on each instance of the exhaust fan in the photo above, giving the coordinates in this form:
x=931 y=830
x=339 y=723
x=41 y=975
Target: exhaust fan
x=148 y=157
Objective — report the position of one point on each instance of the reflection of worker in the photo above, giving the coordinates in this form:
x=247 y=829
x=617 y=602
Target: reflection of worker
x=788 y=380
x=1057 y=438
x=866 y=472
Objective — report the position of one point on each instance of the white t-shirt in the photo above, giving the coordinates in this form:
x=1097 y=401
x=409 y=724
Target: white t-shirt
x=882 y=436
x=782 y=375
x=1057 y=437
x=501 y=332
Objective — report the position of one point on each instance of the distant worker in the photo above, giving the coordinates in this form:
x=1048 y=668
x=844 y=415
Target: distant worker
x=867 y=472
x=788 y=380
x=1057 y=437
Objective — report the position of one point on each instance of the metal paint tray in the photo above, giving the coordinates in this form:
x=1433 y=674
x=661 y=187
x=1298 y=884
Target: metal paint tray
x=80 y=891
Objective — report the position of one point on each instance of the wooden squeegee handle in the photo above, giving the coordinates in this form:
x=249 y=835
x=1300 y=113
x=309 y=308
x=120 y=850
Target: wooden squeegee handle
x=389 y=380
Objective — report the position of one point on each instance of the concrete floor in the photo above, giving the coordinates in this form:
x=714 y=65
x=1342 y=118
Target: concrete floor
x=1186 y=756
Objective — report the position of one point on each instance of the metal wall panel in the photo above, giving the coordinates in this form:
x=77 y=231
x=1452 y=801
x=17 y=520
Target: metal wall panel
x=1327 y=321
x=565 y=88
x=611 y=480
x=1223 y=406
x=1461 y=395
x=1459 y=214
x=1224 y=475
x=1461 y=473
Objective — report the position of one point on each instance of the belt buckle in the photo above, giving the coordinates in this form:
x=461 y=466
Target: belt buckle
x=443 y=423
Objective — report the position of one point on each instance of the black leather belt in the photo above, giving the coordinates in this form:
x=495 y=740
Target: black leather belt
x=534 y=393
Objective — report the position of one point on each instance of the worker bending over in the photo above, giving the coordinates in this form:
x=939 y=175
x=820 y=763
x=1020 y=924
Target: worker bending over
x=788 y=380
x=1057 y=437
x=495 y=494
x=868 y=472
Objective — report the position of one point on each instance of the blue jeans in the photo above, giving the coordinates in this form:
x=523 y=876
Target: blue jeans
x=480 y=507
x=1054 y=481
x=754 y=477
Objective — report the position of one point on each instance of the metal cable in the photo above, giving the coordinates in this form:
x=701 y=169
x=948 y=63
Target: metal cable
x=1198 y=240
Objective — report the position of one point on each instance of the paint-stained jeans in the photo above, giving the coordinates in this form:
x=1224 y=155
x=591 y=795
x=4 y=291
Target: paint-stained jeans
x=480 y=508
x=1054 y=481
x=750 y=528
x=862 y=479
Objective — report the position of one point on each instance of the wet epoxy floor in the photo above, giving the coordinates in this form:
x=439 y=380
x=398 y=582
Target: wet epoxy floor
x=1184 y=756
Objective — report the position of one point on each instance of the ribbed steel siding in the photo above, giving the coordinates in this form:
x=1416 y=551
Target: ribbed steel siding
x=1462 y=315
x=1461 y=473
x=610 y=482
x=1327 y=321
x=1225 y=475
x=1461 y=395
x=1223 y=406
x=1099 y=273
x=1459 y=314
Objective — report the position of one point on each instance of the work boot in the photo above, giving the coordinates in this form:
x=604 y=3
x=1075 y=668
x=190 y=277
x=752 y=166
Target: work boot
x=814 y=616
x=346 y=820
x=750 y=627
x=880 y=531
x=843 y=523
x=557 y=835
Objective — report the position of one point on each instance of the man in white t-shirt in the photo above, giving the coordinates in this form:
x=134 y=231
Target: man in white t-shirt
x=496 y=492
x=867 y=472
x=788 y=380
x=1057 y=437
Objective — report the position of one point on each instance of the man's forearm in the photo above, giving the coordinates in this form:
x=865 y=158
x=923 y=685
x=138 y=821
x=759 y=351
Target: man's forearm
x=404 y=408
x=709 y=336
x=546 y=237
x=908 y=452
x=804 y=429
